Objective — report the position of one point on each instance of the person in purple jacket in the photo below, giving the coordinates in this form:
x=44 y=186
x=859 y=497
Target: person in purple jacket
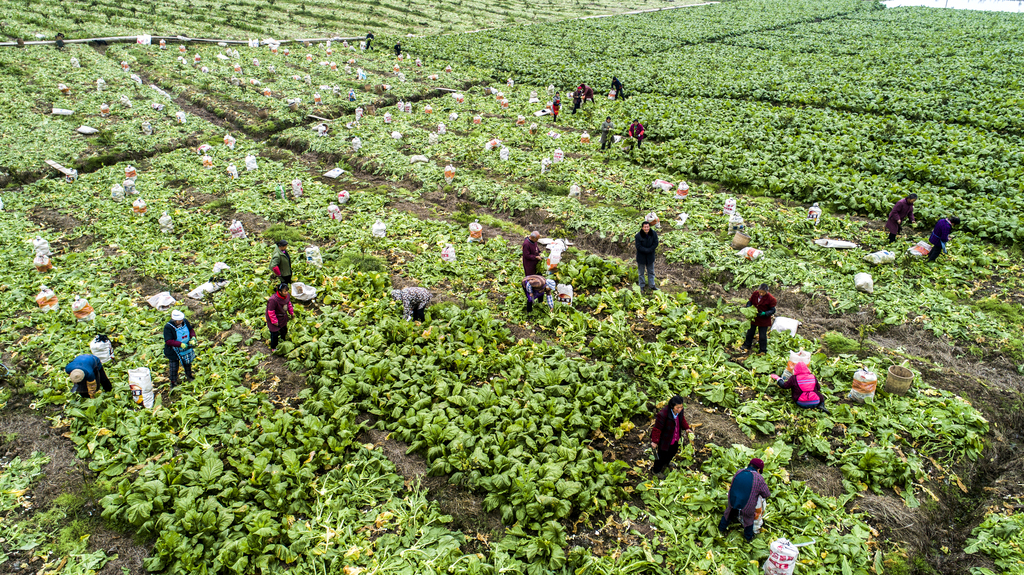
x=940 y=235
x=531 y=253
x=747 y=485
x=902 y=210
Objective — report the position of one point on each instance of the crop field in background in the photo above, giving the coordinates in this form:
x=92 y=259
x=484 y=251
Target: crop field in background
x=486 y=439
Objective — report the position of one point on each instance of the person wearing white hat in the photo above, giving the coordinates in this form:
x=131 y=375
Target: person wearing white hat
x=87 y=375
x=179 y=339
x=534 y=286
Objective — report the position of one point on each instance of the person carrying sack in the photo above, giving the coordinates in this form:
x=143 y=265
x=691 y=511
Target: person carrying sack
x=179 y=339
x=746 y=487
x=87 y=375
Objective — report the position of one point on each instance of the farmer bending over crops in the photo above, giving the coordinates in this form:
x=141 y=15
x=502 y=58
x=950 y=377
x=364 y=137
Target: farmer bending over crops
x=747 y=485
x=178 y=347
x=637 y=132
x=805 y=387
x=617 y=86
x=531 y=253
x=901 y=210
x=369 y=38
x=765 y=303
x=606 y=127
x=588 y=93
x=940 y=235
x=414 y=302
x=668 y=428
x=87 y=375
x=279 y=311
x=281 y=263
x=646 y=244
x=534 y=286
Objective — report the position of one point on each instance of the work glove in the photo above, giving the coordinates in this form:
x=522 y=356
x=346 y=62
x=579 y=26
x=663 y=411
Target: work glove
x=184 y=345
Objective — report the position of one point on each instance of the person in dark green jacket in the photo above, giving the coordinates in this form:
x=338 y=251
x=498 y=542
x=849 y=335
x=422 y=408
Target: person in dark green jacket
x=281 y=264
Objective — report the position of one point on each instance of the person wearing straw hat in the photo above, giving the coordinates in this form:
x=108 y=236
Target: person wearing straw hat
x=747 y=485
x=281 y=263
x=179 y=341
x=534 y=286
x=87 y=375
x=414 y=302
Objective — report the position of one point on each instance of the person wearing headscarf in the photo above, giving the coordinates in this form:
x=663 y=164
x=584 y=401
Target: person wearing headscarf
x=414 y=302
x=901 y=210
x=87 y=375
x=531 y=253
x=534 y=287
x=940 y=235
x=765 y=304
x=668 y=428
x=279 y=311
x=747 y=485
x=178 y=347
x=803 y=385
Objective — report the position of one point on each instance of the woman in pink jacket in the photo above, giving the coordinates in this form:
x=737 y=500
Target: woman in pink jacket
x=279 y=311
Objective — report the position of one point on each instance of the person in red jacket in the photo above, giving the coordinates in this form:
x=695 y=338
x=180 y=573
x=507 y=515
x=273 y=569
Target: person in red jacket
x=531 y=253
x=279 y=311
x=668 y=428
x=637 y=132
x=765 y=303
x=556 y=105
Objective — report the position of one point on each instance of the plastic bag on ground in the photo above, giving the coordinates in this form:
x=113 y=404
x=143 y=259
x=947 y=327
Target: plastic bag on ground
x=334 y=212
x=864 y=282
x=313 y=256
x=864 y=384
x=448 y=253
x=303 y=292
x=42 y=263
x=795 y=357
x=880 y=257
x=343 y=197
x=47 y=300
x=41 y=246
x=82 y=310
x=837 y=244
x=166 y=223
x=564 y=292
x=920 y=249
x=759 y=514
x=379 y=229
x=785 y=324
x=729 y=207
x=161 y=301
x=140 y=381
x=661 y=185
x=476 y=232
x=102 y=348
x=237 y=230
x=139 y=206
x=750 y=253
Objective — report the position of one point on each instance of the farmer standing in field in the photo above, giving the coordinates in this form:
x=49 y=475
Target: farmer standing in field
x=765 y=304
x=87 y=375
x=531 y=253
x=901 y=210
x=617 y=86
x=577 y=99
x=606 y=127
x=668 y=428
x=369 y=38
x=534 y=286
x=281 y=264
x=637 y=132
x=279 y=311
x=805 y=388
x=940 y=235
x=398 y=48
x=646 y=244
x=178 y=347
x=414 y=302
x=556 y=105
x=747 y=485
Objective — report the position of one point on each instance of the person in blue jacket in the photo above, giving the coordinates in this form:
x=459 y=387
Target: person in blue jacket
x=87 y=375
x=940 y=235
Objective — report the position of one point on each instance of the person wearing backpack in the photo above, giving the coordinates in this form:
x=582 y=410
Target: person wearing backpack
x=178 y=347
x=746 y=487
x=803 y=385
